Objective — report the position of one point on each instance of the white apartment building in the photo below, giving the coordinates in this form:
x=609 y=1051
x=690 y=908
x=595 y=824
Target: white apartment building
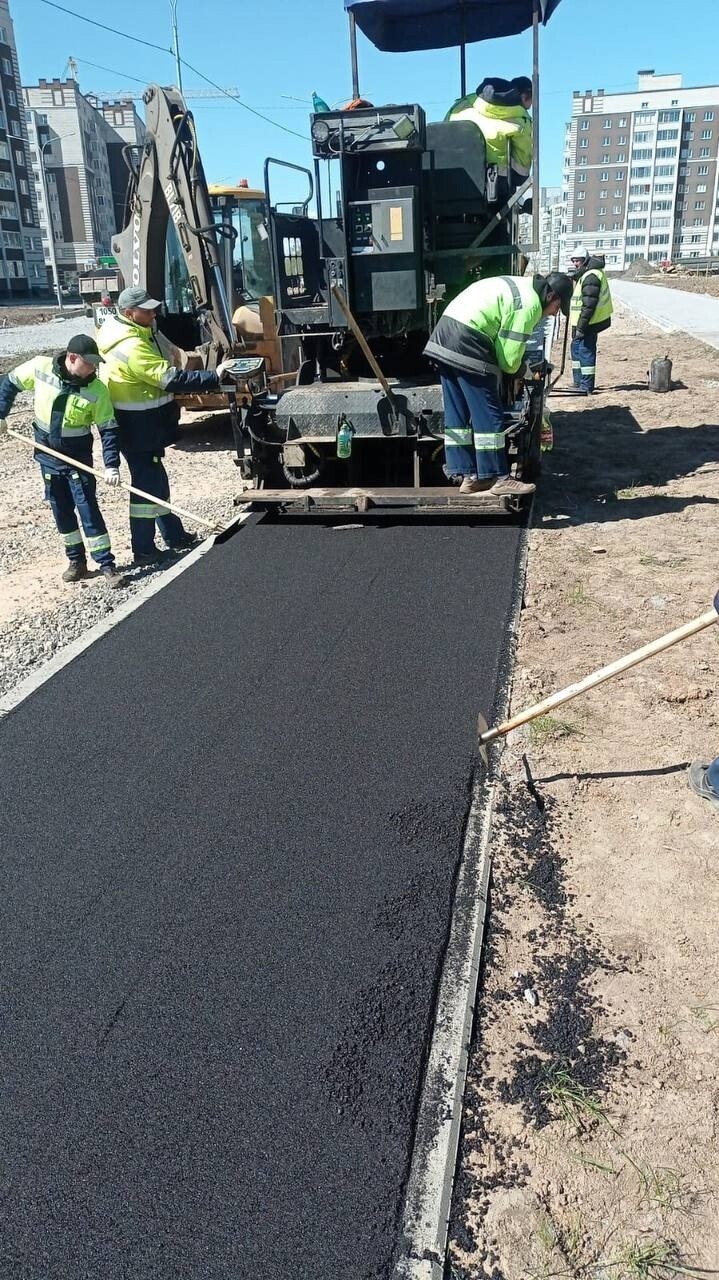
x=641 y=172
x=22 y=266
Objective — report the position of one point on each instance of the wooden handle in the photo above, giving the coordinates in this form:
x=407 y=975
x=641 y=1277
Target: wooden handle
x=368 y=353
x=605 y=673
x=139 y=493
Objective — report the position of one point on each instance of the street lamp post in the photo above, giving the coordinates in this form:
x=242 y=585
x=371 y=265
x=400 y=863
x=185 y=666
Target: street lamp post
x=50 y=227
x=176 y=43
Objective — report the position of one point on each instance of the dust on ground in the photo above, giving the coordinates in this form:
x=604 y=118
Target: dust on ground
x=589 y=1142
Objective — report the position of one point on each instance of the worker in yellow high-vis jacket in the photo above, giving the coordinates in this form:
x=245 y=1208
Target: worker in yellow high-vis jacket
x=500 y=110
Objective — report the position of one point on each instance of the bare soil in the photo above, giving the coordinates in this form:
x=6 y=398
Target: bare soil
x=590 y=1136
x=10 y=317
x=688 y=284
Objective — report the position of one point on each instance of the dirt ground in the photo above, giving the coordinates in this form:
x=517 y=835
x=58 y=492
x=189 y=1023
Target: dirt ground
x=590 y=1136
x=688 y=284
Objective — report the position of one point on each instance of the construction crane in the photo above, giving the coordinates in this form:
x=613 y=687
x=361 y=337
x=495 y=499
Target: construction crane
x=134 y=95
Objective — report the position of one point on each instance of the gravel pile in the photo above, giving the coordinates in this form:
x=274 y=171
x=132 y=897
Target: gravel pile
x=28 y=339
x=39 y=614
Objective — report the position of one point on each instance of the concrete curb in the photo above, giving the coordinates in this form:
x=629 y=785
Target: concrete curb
x=428 y=1199
x=15 y=696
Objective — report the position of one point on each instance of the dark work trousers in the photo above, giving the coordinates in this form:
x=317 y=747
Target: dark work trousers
x=584 y=359
x=72 y=494
x=148 y=473
x=473 y=425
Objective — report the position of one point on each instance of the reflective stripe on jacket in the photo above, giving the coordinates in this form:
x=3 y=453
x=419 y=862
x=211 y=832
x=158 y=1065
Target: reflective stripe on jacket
x=64 y=411
x=591 y=306
x=507 y=133
x=486 y=327
x=141 y=382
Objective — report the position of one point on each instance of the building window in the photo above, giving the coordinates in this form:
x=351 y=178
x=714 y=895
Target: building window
x=7 y=66
x=675 y=102
x=616 y=226
x=636 y=224
x=703 y=170
x=620 y=159
x=642 y=135
x=644 y=153
x=3 y=36
x=607 y=124
x=700 y=204
x=641 y=172
x=619 y=176
x=618 y=192
x=584 y=142
x=603 y=194
x=665 y=153
x=690 y=117
x=701 y=187
x=11 y=99
x=602 y=210
x=15 y=129
x=706 y=133
x=584 y=124
x=581 y=177
x=704 y=151
x=601 y=226
x=708 y=115
x=659 y=205
x=667 y=135
x=582 y=159
x=581 y=195
x=616 y=208
x=621 y=142
x=22 y=186
x=580 y=213
x=622 y=122
x=698 y=222
x=645 y=104
x=604 y=176
x=606 y=142
x=613 y=244
x=646 y=117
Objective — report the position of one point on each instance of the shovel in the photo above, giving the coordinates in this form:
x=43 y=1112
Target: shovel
x=485 y=735
x=140 y=493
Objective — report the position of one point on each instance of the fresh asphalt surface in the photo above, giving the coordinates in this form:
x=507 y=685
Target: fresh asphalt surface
x=230 y=830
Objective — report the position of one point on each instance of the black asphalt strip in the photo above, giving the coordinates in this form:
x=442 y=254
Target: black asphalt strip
x=230 y=831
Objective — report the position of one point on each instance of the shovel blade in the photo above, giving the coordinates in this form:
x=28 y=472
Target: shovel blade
x=482 y=728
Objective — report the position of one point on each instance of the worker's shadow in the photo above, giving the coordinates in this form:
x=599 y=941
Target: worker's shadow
x=605 y=468
x=212 y=434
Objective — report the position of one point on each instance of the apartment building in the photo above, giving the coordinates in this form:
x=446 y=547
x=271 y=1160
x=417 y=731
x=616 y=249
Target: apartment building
x=641 y=172
x=22 y=266
x=123 y=128
x=72 y=175
x=551 y=225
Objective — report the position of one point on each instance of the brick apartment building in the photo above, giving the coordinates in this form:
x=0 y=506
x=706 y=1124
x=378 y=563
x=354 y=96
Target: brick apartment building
x=641 y=173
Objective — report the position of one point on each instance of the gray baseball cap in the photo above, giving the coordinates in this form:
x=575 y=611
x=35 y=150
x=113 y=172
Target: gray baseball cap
x=136 y=296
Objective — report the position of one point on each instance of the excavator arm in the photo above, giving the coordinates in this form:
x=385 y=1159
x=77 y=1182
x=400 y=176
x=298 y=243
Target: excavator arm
x=169 y=241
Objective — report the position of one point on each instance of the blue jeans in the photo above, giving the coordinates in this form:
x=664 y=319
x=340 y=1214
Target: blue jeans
x=713 y=775
x=72 y=494
x=148 y=473
x=584 y=360
x=473 y=425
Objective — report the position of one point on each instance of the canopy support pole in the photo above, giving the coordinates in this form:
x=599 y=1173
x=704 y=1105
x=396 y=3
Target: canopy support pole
x=353 y=54
x=535 y=126
x=463 y=57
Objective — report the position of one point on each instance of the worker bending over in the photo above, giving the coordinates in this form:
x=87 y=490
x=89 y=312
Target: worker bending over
x=69 y=399
x=483 y=333
x=142 y=385
x=590 y=315
x=500 y=110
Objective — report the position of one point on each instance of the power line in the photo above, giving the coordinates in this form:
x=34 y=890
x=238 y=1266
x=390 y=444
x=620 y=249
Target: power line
x=242 y=104
x=94 y=23
x=136 y=39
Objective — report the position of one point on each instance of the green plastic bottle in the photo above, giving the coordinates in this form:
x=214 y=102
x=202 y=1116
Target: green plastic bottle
x=345 y=432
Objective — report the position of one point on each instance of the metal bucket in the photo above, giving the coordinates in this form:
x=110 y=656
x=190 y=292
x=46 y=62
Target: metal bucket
x=660 y=374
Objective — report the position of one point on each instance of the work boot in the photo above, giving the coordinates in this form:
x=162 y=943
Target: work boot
x=76 y=571
x=144 y=558
x=472 y=484
x=509 y=487
x=697 y=782
x=189 y=540
x=113 y=577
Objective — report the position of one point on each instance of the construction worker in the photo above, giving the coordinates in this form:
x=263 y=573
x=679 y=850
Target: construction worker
x=68 y=399
x=142 y=383
x=703 y=780
x=500 y=110
x=482 y=334
x=590 y=315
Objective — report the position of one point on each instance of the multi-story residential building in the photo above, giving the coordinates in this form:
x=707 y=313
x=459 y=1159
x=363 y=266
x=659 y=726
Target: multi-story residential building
x=72 y=174
x=641 y=173
x=552 y=212
x=22 y=266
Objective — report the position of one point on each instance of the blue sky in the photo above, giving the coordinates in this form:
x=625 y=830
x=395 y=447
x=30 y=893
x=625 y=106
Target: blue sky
x=276 y=52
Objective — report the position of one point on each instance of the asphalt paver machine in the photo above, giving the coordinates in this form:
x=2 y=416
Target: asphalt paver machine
x=396 y=216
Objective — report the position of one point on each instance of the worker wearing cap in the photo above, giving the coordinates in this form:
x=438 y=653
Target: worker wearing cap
x=482 y=334
x=500 y=110
x=142 y=385
x=69 y=399
x=590 y=315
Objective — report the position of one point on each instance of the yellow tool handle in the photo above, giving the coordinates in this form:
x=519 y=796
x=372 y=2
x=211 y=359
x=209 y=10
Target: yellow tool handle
x=139 y=493
x=604 y=673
